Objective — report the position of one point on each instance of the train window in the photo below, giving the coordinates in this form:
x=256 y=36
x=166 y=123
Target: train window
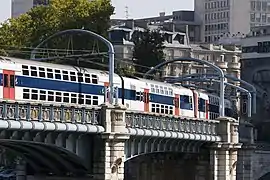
x=80 y=77
x=66 y=97
x=41 y=72
x=153 y=108
x=94 y=79
x=50 y=96
x=57 y=74
x=87 y=78
x=88 y=99
x=161 y=90
x=34 y=94
x=95 y=100
x=156 y=89
x=25 y=70
x=72 y=76
x=65 y=75
x=157 y=108
x=58 y=97
x=166 y=109
x=201 y=105
x=73 y=98
x=26 y=94
x=166 y=91
x=49 y=73
x=162 y=109
x=33 y=71
x=170 y=91
x=42 y=95
x=186 y=102
x=81 y=99
x=12 y=81
x=5 y=80
x=139 y=96
x=152 y=88
x=171 y=110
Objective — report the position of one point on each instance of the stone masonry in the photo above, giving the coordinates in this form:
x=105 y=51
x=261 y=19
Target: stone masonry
x=109 y=155
x=223 y=155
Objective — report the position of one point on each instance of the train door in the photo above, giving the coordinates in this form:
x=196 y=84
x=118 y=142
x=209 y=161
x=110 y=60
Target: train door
x=106 y=92
x=206 y=109
x=196 y=106
x=146 y=100
x=176 y=104
x=8 y=84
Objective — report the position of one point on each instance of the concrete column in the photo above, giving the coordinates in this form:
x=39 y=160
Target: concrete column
x=71 y=143
x=60 y=140
x=109 y=161
x=223 y=156
x=245 y=164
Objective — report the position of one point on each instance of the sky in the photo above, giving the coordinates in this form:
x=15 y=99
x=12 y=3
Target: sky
x=5 y=10
x=149 y=8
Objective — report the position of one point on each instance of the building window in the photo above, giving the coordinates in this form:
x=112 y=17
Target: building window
x=258 y=5
x=252 y=17
x=252 y=5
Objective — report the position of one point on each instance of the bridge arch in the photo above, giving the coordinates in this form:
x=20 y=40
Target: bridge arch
x=46 y=158
x=167 y=165
x=264 y=174
x=136 y=147
x=265 y=177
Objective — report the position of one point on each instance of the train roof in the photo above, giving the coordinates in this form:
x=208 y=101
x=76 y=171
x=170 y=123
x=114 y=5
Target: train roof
x=162 y=83
x=55 y=65
x=98 y=72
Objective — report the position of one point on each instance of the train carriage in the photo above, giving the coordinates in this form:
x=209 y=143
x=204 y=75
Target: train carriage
x=26 y=80
x=201 y=102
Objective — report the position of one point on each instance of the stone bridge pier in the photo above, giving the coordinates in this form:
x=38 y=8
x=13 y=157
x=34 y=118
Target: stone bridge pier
x=216 y=161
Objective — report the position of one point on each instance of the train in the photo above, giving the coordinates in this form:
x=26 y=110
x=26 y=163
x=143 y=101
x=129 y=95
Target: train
x=36 y=81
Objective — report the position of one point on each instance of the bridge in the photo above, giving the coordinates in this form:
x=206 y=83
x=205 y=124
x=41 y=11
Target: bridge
x=109 y=141
x=253 y=157
x=105 y=142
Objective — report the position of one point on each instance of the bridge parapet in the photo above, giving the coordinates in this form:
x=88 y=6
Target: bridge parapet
x=123 y=127
x=167 y=126
x=16 y=115
x=223 y=156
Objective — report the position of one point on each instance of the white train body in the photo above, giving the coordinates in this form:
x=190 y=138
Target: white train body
x=26 y=80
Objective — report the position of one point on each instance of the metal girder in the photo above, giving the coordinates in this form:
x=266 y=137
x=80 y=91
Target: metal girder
x=216 y=68
x=111 y=53
x=229 y=84
x=212 y=76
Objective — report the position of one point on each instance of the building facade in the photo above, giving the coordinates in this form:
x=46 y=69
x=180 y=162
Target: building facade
x=230 y=17
x=178 y=21
x=255 y=69
x=14 y=8
x=225 y=56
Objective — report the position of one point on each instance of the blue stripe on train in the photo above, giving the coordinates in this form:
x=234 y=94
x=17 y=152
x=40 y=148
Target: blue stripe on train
x=39 y=83
x=50 y=84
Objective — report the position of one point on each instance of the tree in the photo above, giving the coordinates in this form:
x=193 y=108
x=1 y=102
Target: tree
x=148 y=49
x=29 y=29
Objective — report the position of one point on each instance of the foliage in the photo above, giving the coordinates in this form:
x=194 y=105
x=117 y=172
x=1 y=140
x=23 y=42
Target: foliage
x=125 y=70
x=31 y=28
x=148 y=49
